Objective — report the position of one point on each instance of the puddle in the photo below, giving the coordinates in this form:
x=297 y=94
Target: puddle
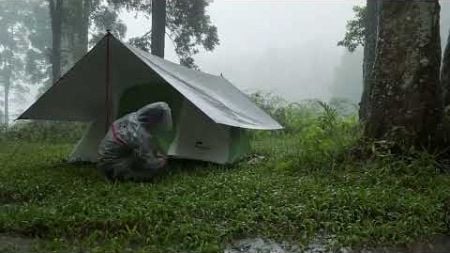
x=259 y=245
x=440 y=244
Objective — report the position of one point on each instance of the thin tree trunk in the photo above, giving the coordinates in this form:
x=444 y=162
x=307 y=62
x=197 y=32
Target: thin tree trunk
x=6 y=100
x=445 y=83
x=74 y=32
x=70 y=28
x=158 y=27
x=84 y=28
x=370 y=42
x=405 y=94
x=56 y=22
x=445 y=76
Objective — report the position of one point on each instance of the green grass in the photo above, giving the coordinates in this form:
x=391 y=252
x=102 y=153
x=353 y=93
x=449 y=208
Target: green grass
x=308 y=183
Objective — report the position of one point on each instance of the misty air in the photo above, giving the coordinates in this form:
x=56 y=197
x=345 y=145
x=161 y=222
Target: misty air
x=233 y=126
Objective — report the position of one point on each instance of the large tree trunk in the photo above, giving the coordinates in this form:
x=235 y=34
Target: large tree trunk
x=405 y=94
x=158 y=27
x=55 y=7
x=370 y=42
x=70 y=29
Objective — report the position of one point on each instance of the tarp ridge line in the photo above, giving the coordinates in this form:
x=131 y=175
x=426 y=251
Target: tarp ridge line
x=206 y=96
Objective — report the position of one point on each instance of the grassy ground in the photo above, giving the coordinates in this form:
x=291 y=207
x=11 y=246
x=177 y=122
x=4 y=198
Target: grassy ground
x=307 y=183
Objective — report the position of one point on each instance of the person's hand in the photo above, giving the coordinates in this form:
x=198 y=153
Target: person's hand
x=162 y=162
x=161 y=155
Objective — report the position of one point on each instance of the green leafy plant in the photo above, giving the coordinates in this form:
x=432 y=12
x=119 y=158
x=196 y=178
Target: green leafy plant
x=307 y=184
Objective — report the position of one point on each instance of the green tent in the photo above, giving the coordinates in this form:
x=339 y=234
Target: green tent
x=210 y=115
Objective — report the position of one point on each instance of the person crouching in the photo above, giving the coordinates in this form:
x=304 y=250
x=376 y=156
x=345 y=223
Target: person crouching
x=129 y=151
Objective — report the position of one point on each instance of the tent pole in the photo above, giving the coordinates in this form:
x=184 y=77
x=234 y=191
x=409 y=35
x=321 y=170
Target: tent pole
x=108 y=102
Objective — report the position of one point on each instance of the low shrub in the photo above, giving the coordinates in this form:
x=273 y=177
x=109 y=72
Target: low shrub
x=42 y=131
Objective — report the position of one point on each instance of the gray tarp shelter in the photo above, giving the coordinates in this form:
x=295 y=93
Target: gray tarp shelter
x=114 y=78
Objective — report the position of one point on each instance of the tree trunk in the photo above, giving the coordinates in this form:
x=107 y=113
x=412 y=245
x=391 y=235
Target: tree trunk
x=84 y=27
x=6 y=100
x=55 y=7
x=445 y=83
x=370 y=40
x=405 y=104
x=74 y=32
x=158 y=27
x=445 y=76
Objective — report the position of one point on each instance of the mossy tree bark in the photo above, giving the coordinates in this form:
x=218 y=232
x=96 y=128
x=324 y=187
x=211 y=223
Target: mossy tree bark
x=370 y=41
x=405 y=102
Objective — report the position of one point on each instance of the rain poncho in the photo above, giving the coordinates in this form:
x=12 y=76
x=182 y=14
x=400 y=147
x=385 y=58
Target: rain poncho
x=130 y=151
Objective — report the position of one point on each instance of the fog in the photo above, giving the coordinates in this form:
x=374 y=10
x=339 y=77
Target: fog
x=286 y=47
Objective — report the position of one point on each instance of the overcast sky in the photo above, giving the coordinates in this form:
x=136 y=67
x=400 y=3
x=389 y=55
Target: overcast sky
x=287 y=47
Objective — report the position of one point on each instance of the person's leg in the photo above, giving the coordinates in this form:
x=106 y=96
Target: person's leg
x=141 y=172
x=131 y=167
x=116 y=169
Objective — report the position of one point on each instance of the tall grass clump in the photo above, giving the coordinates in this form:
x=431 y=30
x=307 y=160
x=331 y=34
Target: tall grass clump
x=316 y=134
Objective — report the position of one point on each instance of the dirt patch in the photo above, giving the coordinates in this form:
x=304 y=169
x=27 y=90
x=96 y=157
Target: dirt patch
x=7 y=197
x=15 y=244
